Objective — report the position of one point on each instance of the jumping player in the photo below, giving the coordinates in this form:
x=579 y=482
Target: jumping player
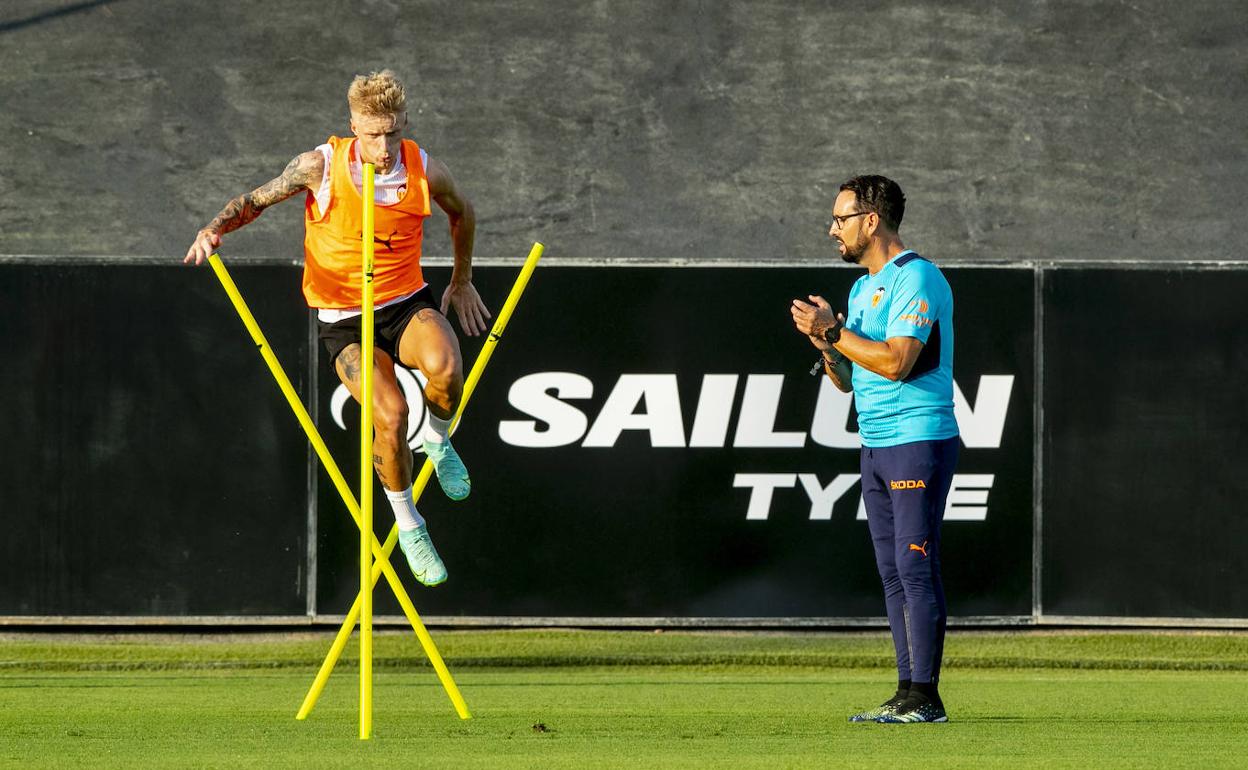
x=410 y=327
x=894 y=350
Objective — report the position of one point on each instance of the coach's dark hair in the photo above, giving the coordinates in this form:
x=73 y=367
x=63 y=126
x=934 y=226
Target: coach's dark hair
x=880 y=195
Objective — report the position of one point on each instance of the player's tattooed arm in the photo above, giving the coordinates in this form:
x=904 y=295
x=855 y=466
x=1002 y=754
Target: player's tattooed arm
x=304 y=172
x=301 y=174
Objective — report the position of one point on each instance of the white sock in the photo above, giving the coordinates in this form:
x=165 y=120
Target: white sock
x=438 y=429
x=405 y=512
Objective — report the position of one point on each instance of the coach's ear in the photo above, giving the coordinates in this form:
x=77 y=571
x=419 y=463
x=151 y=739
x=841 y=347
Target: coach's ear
x=871 y=223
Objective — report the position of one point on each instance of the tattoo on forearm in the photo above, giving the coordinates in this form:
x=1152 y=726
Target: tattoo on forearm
x=300 y=174
x=238 y=212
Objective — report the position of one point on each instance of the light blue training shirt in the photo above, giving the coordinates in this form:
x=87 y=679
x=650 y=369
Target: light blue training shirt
x=909 y=297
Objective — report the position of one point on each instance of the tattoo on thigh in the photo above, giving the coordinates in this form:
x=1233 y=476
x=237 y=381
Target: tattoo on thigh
x=377 y=460
x=350 y=360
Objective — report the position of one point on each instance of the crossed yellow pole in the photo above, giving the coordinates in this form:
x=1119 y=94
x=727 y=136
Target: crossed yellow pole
x=422 y=479
x=380 y=552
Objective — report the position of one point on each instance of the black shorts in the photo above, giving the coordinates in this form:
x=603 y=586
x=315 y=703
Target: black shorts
x=388 y=325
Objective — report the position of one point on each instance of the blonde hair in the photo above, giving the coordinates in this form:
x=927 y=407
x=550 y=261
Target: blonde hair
x=377 y=93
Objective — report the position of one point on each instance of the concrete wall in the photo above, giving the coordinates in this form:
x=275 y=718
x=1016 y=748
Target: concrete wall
x=658 y=129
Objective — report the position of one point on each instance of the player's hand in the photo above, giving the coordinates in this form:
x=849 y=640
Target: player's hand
x=206 y=242
x=814 y=318
x=468 y=306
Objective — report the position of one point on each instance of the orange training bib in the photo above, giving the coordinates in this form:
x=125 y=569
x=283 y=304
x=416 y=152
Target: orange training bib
x=332 y=243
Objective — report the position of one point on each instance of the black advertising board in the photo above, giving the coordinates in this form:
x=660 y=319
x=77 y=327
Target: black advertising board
x=647 y=442
x=1144 y=507
x=147 y=467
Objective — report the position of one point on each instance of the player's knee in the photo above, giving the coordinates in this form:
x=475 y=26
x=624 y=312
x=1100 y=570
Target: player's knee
x=390 y=413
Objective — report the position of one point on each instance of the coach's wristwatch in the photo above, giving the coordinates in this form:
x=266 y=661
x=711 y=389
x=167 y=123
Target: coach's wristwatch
x=833 y=334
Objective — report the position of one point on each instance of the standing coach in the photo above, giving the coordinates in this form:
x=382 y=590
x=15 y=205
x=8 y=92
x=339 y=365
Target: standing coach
x=894 y=349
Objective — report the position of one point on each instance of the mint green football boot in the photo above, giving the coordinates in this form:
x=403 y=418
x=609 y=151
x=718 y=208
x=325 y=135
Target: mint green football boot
x=422 y=557
x=452 y=475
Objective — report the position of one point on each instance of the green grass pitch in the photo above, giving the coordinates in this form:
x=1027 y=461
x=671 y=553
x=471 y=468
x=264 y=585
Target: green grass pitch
x=577 y=699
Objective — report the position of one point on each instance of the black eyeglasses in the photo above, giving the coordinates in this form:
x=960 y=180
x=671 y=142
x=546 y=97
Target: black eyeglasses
x=839 y=222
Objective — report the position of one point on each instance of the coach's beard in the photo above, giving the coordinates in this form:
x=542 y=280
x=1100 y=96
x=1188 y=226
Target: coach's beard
x=853 y=255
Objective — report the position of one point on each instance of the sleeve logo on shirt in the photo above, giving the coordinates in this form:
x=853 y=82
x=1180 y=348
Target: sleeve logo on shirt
x=877 y=296
x=917 y=308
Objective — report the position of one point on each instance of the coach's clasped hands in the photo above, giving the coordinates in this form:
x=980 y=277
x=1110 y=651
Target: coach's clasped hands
x=814 y=319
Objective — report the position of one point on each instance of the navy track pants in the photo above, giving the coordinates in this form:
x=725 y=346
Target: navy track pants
x=905 y=488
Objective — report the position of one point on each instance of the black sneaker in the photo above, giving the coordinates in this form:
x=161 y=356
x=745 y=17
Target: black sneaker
x=917 y=707
x=887 y=707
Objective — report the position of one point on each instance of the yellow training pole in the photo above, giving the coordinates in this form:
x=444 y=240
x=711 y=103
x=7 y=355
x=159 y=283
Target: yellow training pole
x=500 y=324
x=288 y=390
x=366 y=466
x=380 y=556
x=426 y=470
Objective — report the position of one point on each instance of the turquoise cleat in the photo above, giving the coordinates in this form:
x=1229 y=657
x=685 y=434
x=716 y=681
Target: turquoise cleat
x=452 y=475
x=422 y=557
